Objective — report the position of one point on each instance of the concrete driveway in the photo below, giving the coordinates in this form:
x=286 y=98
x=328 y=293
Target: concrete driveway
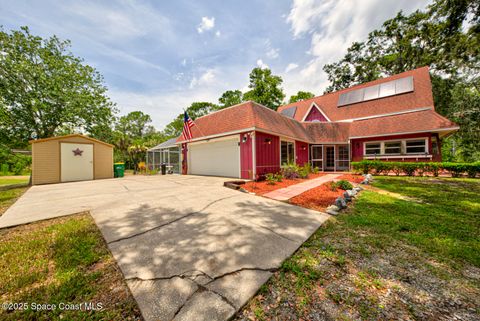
x=189 y=248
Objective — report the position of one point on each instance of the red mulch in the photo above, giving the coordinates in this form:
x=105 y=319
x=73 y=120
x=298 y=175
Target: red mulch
x=261 y=188
x=318 y=198
x=352 y=178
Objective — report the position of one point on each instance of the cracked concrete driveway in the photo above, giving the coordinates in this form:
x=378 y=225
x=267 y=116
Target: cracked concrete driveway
x=189 y=248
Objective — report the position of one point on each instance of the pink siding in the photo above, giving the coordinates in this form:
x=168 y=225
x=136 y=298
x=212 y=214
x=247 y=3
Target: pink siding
x=315 y=114
x=267 y=149
x=246 y=156
x=357 y=145
x=301 y=151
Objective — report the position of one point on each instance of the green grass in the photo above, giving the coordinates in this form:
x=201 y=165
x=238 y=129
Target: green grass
x=386 y=257
x=8 y=197
x=62 y=260
x=13 y=180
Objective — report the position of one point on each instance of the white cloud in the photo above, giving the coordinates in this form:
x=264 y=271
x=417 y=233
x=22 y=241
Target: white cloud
x=273 y=53
x=218 y=33
x=206 y=24
x=291 y=66
x=333 y=25
x=261 y=64
x=208 y=77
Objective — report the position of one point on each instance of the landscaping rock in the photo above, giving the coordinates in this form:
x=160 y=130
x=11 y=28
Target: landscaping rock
x=365 y=182
x=333 y=208
x=358 y=188
x=340 y=202
x=351 y=192
x=332 y=212
x=369 y=177
x=347 y=197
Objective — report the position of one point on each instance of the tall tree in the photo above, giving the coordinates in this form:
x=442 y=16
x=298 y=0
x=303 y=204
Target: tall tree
x=195 y=110
x=230 y=98
x=445 y=36
x=45 y=89
x=301 y=95
x=265 y=88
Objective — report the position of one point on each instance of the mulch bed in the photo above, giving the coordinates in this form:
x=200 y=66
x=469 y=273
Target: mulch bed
x=261 y=188
x=318 y=198
x=354 y=178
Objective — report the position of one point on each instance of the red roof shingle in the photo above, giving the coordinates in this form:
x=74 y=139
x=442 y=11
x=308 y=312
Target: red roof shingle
x=419 y=98
x=416 y=115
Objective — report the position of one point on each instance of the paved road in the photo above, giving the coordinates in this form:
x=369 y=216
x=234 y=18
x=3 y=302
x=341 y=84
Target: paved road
x=189 y=248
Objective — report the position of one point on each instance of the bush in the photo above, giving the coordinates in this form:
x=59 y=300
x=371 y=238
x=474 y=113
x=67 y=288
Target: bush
x=290 y=171
x=303 y=172
x=411 y=168
x=4 y=169
x=472 y=169
x=270 y=178
x=342 y=184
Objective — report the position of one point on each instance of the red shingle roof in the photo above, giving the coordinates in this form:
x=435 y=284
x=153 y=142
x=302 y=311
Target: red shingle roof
x=417 y=107
x=426 y=120
x=246 y=116
x=419 y=98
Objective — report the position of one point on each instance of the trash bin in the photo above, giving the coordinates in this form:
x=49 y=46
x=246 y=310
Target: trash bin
x=118 y=169
x=164 y=168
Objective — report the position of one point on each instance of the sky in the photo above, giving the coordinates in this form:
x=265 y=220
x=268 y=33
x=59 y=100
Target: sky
x=160 y=56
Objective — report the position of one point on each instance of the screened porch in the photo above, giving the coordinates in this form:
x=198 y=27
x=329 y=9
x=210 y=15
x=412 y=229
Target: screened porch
x=168 y=153
x=330 y=157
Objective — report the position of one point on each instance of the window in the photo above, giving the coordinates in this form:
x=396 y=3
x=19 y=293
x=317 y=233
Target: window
x=317 y=156
x=343 y=159
x=287 y=152
x=416 y=146
x=393 y=147
x=372 y=148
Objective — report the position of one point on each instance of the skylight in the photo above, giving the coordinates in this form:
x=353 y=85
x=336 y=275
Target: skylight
x=387 y=89
x=289 y=112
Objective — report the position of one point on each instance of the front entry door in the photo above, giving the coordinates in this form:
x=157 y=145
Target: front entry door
x=76 y=162
x=330 y=158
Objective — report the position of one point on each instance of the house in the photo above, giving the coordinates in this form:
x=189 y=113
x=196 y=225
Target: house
x=390 y=119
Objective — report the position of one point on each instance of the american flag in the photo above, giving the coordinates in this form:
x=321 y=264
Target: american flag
x=187 y=124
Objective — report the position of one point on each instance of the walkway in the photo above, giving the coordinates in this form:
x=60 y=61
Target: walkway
x=284 y=194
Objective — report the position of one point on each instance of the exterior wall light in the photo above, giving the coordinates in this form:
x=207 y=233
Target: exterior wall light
x=268 y=141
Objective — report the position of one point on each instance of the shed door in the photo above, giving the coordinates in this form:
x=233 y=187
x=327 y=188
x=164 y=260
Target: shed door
x=76 y=162
x=218 y=158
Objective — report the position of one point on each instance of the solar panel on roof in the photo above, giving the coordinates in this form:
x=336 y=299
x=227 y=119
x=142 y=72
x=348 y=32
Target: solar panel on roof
x=289 y=112
x=386 y=89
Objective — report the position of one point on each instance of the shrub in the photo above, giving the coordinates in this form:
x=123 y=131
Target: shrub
x=303 y=172
x=473 y=169
x=397 y=168
x=343 y=184
x=315 y=170
x=433 y=168
x=4 y=169
x=270 y=178
x=409 y=168
x=290 y=171
x=455 y=169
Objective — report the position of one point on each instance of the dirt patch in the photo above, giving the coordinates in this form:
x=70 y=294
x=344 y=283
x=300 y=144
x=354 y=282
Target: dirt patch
x=392 y=194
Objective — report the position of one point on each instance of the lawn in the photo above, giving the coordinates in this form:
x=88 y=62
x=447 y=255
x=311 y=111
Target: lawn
x=13 y=180
x=8 y=197
x=411 y=257
x=62 y=261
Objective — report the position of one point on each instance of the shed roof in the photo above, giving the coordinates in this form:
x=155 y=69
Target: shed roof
x=41 y=140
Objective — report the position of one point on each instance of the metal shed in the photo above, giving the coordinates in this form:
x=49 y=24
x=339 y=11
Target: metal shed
x=167 y=152
x=70 y=158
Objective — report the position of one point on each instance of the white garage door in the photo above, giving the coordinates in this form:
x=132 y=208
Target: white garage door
x=217 y=158
x=76 y=162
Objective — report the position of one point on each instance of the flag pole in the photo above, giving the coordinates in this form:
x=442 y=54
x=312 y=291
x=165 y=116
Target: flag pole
x=184 y=111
